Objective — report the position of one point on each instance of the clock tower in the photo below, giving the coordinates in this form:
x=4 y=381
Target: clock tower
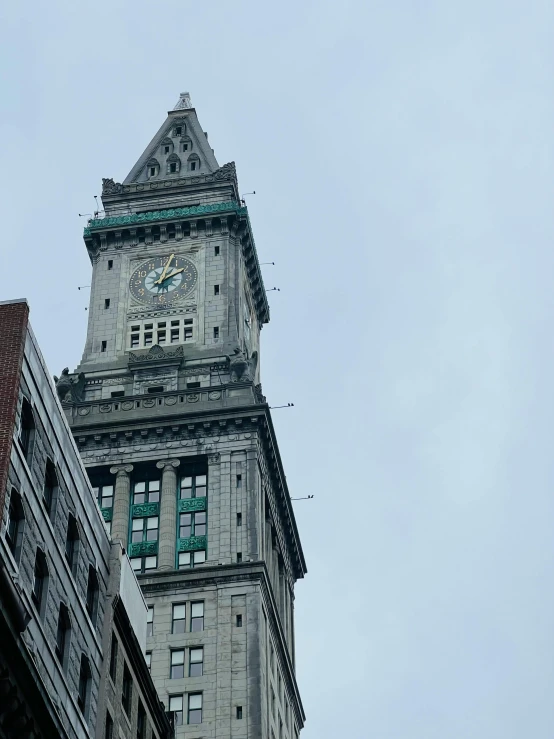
x=167 y=410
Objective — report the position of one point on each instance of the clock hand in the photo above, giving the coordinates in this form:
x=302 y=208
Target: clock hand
x=175 y=272
x=162 y=278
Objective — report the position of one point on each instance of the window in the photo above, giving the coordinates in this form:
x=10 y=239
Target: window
x=192 y=385
x=84 y=686
x=178 y=619
x=113 y=657
x=40 y=581
x=178 y=130
x=239 y=557
x=216 y=332
x=172 y=167
x=50 y=485
x=186 y=145
x=193 y=486
x=143 y=564
x=110 y=263
x=176 y=708
x=191 y=559
x=104 y=495
x=148 y=660
x=106 y=303
x=152 y=171
x=239 y=481
x=239 y=712
x=92 y=594
x=197 y=616
x=166 y=149
x=117 y=393
x=109 y=726
x=216 y=251
x=150 y=621
x=71 y=539
x=177 y=664
x=239 y=620
x=195 y=708
x=216 y=289
x=127 y=690
x=196 y=661
x=14 y=529
x=62 y=635
x=155 y=389
x=141 y=721
x=192 y=524
x=104 y=346
x=26 y=429
x=152 y=168
x=239 y=519
x=145 y=529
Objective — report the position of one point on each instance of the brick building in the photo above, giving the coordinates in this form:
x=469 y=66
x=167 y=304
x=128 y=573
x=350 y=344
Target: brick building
x=65 y=590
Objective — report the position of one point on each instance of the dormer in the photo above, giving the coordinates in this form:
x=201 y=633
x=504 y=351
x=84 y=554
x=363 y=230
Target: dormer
x=166 y=147
x=152 y=168
x=173 y=165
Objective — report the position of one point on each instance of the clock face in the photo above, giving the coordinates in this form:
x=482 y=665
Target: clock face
x=163 y=280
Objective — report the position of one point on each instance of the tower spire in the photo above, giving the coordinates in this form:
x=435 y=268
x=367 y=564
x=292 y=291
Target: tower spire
x=184 y=102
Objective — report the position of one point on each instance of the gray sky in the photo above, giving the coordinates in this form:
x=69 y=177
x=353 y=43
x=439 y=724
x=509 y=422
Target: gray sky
x=402 y=153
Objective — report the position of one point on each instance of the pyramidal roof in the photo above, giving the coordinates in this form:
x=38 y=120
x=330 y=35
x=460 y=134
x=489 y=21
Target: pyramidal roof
x=179 y=149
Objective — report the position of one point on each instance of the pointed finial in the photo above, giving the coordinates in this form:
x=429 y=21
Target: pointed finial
x=183 y=102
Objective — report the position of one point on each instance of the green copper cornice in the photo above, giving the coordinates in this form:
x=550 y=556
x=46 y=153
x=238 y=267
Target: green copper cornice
x=162 y=215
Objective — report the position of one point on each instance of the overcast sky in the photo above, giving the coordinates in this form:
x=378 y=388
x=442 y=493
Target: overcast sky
x=402 y=156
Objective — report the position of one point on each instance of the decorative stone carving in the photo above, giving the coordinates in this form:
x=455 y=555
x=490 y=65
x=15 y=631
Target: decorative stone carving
x=241 y=368
x=226 y=172
x=70 y=389
x=156 y=353
x=214 y=458
x=109 y=187
x=192 y=543
x=260 y=397
x=167 y=463
x=143 y=548
x=142 y=510
x=192 y=504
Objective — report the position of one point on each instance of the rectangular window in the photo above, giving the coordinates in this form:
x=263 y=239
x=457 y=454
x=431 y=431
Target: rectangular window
x=155 y=389
x=104 y=495
x=192 y=524
x=148 y=339
x=239 y=481
x=117 y=394
x=196 y=661
x=104 y=346
x=161 y=337
x=146 y=491
x=176 y=708
x=192 y=385
x=106 y=303
x=193 y=486
x=239 y=712
x=61 y=634
x=143 y=564
x=191 y=559
x=109 y=726
x=145 y=529
x=216 y=332
x=195 y=708
x=239 y=620
x=216 y=289
x=150 y=621
x=141 y=721
x=113 y=658
x=174 y=335
x=239 y=557
x=110 y=263
x=148 y=660
x=135 y=340
x=127 y=690
x=187 y=334
x=197 y=616
x=177 y=664
x=178 y=619
x=216 y=251
x=239 y=519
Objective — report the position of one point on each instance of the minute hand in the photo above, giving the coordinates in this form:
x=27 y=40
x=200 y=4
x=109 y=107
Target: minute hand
x=162 y=278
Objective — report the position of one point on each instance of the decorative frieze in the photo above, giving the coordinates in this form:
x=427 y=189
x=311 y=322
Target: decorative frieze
x=143 y=548
x=192 y=504
x=192 y=543
x=142 y=510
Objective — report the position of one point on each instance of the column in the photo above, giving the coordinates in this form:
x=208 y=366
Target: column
x=120 y=516
x=168 y=514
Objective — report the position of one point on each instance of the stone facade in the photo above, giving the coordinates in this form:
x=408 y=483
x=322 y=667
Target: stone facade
x=54 y=562
x=170 y=420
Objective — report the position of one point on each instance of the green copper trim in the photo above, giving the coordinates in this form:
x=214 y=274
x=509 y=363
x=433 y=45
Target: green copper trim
x=192 y=543
x=141 y=510
x=143 y=548
x=192 y=504
x=107 y=514
x=162 y=215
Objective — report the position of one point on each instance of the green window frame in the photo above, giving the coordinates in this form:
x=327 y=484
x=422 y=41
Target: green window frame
x=193 y=524
x=193 y=486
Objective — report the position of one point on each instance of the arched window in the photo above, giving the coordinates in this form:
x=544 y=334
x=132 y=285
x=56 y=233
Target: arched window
x=166 y=147
x=16 y=521
x=71 y=541
x=193 y=163
x=27 y=429
x=92 y=594
x=83 y=696
x=40 y=582
x=50 y=485
x=152 y=168
x=63 y=636
x=186 y=144
x=173 y=164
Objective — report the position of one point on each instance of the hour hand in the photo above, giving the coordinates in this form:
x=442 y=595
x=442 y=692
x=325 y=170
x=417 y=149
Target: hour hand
x=162 y=276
